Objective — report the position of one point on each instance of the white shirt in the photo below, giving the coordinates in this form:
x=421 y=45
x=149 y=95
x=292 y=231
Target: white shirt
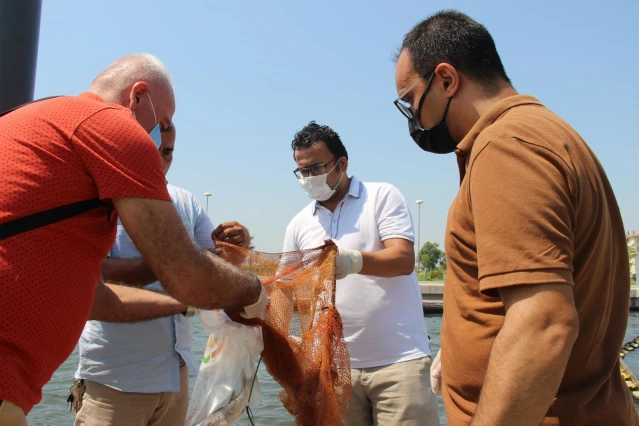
x=383 y=317
x=143 y=356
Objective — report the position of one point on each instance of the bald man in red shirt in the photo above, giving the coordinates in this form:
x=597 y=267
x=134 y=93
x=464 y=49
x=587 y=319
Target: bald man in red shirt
x=71 y=166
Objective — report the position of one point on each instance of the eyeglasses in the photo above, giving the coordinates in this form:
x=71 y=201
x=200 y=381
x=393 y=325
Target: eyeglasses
x=404 y=107
x=314 y=170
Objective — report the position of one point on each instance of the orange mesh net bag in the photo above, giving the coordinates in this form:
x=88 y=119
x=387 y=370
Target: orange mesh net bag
x=304 y=347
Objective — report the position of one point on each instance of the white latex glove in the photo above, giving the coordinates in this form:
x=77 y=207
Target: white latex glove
x=348 y=262
x=257 y=308
x=436 y=374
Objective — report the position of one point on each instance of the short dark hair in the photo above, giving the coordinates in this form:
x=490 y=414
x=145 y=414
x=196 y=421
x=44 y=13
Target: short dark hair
x=314 y=132
x=453 y=37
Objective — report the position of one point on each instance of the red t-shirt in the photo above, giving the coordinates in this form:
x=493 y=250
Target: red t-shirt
x=56 y=152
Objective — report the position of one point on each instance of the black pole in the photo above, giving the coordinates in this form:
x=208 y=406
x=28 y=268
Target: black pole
x=19 y=34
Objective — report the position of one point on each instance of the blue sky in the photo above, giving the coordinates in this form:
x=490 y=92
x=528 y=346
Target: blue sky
x=249 y=74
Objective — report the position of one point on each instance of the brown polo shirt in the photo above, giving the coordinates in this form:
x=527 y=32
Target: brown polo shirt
x=535 y=207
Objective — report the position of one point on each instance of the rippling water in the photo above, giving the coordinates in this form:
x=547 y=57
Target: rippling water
x=52 y=411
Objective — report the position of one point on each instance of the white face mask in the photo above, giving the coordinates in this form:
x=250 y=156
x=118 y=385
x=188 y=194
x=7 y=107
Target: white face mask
x=317 y=188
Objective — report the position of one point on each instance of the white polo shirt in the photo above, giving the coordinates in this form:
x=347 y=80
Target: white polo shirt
x=383 y=318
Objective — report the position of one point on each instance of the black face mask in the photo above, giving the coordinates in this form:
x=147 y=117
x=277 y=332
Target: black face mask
x=437 y=139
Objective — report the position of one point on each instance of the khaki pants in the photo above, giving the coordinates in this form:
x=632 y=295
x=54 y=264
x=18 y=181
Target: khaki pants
x=11 y=415
x=396 y=394
x=105 y=406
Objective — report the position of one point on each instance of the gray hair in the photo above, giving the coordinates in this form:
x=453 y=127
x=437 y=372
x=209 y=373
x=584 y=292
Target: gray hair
x=124 y=72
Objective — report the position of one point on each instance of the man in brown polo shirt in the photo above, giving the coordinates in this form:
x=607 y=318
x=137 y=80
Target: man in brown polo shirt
x=537 y=291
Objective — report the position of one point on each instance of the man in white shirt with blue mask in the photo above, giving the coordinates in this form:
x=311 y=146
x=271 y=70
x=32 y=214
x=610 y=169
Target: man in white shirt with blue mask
x=137 y=374
x=378 y=295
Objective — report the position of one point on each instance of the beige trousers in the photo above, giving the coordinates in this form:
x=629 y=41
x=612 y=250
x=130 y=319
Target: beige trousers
x=391 y=395
x=105 y=406
x=11 y=415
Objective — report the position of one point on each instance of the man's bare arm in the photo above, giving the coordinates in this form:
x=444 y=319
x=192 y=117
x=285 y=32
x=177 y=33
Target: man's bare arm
x=118 y=303
x=137 y=273
x=134 y=272
x=529 y=356
x=191 y=275
x=396 y=259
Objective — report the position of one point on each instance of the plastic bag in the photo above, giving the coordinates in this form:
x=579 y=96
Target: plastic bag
x=227 y=382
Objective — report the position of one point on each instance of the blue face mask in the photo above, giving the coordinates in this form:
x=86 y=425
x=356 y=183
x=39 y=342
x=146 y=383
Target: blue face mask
x=155 y=133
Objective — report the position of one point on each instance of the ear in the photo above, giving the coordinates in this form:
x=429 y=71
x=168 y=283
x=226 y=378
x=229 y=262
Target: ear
x=343 y=164
x=138 y=89
x=448 y=80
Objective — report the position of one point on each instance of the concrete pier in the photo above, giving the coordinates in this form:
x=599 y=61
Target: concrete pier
x=433 y=296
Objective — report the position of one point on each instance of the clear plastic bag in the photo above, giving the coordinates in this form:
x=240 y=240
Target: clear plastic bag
x=227 y=380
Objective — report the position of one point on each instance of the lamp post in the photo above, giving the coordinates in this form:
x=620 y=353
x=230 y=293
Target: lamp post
x=19 y=36
x=207 y=195
x=419 y=219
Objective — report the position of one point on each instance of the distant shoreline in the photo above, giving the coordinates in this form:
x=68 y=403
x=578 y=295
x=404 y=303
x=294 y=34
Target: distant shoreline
x=433 y=297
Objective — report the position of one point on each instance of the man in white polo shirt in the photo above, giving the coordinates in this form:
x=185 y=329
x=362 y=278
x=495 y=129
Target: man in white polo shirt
x=378 y=296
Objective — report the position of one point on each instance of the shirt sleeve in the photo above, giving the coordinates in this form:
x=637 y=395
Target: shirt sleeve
x=393 y=216
x=120 y=156
x=522 y=206
x=203 y=225
x=290 y=244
